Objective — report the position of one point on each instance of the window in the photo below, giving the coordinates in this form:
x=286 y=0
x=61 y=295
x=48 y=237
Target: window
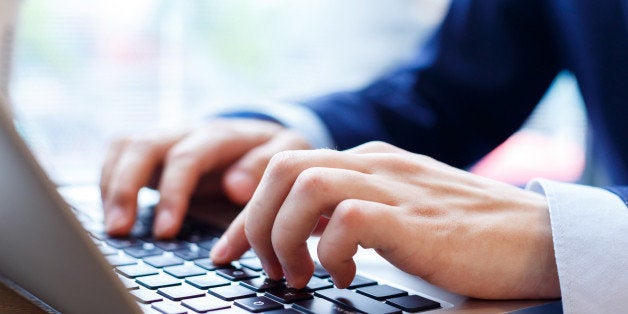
x=84 y=71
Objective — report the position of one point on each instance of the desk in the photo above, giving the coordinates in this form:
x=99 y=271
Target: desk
x=11 y=302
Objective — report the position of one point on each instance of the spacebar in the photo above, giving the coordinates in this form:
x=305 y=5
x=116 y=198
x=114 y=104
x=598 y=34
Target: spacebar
x=355 y=301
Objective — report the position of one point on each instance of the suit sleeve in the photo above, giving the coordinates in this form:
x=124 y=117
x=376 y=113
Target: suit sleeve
x=470 y=87
x=621 y=191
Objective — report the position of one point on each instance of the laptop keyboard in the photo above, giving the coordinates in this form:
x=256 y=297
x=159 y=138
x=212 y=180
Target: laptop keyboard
x=178 y=277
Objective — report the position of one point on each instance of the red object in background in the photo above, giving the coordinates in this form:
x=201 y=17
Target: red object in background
x=527 y=155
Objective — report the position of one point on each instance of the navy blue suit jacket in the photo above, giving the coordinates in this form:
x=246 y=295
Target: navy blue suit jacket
x=482 y=73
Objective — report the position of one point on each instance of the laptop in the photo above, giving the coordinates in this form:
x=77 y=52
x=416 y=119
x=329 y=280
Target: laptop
x=53 y=250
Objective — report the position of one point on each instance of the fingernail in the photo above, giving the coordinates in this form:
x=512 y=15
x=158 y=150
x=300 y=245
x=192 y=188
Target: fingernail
x=163 y=223
x=220 y=249
x=115 y=220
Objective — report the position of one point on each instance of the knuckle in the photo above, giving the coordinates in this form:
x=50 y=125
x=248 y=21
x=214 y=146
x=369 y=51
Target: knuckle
x=348 y=213
x=181 y=154
x=139 y=145
x=418 y=163
x=312 y=180
x=400 y=161
x=283 y=162
x=141 y=141
x=379 y=146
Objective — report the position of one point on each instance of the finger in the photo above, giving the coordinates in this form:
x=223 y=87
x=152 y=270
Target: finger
x=355 y=222
x=185 y=163
x=282 y=171
x=315 y=193
x=232 y=244
x=132 y=171
x=242 y=178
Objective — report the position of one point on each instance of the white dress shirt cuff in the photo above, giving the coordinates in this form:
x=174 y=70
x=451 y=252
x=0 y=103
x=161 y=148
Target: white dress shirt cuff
x=590 y=233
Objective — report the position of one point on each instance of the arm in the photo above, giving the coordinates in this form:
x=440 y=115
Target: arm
x=470 y=87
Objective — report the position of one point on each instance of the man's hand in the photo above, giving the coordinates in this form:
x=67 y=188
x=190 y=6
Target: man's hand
x=466 y=233
x=220 y=157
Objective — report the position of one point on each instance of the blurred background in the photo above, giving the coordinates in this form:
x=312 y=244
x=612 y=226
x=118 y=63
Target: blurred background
x=85 y=71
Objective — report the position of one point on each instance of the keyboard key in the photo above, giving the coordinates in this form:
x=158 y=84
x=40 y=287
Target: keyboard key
x=107 y=250
x=128 y=283
x=178 y=293
x=237 y=274
x=190 y=254
x=171 y=245
x=232 y=292
x=163 y=261
x=316 y=283
x=320 y=272
x=158 y=281
x=252 y=264
x=146 y=296
x=359 y=281
x=288 y=295
x=120 y=260
x=143 y=251
x=169 y=308
x=192 y=236
x=355 y=301
x=318 y=305
x=121 y=243
x=207 y=244
x=207 y=281
x=205 y=304
x=413 y=303
x=182 y=271
x=381 y=292
x=207 y=264
x=258 y=304
x=261 y=284
x=138 y=270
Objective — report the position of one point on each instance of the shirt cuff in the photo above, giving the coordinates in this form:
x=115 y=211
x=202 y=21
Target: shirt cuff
x=298 y=118
x=590 y=233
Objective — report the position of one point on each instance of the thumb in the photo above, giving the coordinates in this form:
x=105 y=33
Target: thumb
x=232 y=244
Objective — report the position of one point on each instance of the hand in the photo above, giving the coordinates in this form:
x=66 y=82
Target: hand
x=465 y=233
x=222 y=156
